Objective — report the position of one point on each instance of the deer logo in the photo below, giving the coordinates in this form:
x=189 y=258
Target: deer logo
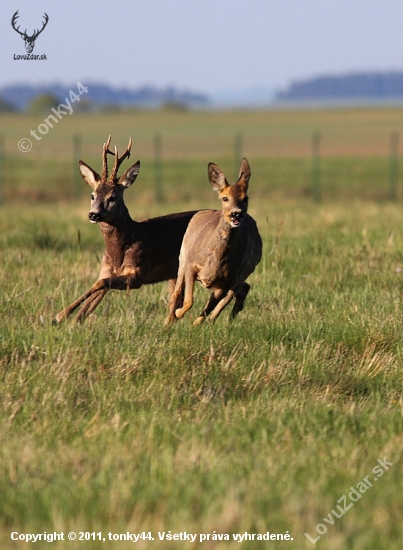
x=29 y=40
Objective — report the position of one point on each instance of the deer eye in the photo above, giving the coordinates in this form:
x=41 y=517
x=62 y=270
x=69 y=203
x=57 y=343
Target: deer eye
x=92 y=197
x=111 y=200
x=225 y=199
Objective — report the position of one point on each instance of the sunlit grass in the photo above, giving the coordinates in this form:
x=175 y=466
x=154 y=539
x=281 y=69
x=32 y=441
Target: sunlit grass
x=260 y=425
x=121 y=424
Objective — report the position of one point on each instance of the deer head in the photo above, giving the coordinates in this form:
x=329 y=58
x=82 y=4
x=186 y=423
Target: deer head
x=107 y=193
x=234 y=197
x=29 y=40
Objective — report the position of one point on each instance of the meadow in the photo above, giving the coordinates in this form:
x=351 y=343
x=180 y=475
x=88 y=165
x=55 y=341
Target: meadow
x=261 y=425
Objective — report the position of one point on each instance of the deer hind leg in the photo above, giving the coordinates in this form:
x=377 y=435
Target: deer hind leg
x=214 y=299
x=240 y=296
x=90 y=304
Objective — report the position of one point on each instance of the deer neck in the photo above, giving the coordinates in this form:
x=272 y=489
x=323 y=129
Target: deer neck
x=118 y=236
x=226 y=236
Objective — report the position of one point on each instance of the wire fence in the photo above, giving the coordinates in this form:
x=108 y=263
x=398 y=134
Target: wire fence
x=319 y=177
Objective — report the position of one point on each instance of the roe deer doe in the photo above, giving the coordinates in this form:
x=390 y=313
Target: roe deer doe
x=220 y=249
x=137 y=253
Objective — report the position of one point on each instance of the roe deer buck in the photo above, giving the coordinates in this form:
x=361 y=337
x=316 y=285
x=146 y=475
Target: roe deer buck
x=220 y=249
x=137 y=253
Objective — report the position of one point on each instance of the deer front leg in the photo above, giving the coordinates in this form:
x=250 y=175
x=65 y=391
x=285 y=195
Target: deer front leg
x=189 y=280
x=126 y=282
x=171 y=290
x=173 y=304
x=67 y=311
x=89 y=305
x=175 y=289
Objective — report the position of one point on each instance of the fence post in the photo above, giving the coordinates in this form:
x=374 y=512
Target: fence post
x=158 y=183
x=393 y=165
x=315 y=174
x=238 y=147
x=2 y=169
x=77 y=154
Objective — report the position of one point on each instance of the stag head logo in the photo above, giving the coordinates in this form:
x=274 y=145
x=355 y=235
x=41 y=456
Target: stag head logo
x=29 y=40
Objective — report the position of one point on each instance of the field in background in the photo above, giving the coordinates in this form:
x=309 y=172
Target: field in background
x=198 y=134
x=354 y=151
x=262 y=425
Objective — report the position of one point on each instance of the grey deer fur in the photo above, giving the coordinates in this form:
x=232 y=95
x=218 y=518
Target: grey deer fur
x=220 y=249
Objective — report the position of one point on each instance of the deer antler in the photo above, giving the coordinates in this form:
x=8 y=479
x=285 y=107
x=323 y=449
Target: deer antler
x=37 y=32
x=119 y=160
x=105 y=152
x=13 y=22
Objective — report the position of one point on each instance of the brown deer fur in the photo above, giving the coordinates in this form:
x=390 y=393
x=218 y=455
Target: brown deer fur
x=137 y=253
x=220 y=249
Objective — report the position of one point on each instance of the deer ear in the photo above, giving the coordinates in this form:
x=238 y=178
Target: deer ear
x=216 y=177
x=130 y=175
x=244 y=174
x=89 y=175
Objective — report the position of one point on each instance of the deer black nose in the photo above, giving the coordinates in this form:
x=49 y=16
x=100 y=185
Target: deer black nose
x=236 y=215
x=94 y=216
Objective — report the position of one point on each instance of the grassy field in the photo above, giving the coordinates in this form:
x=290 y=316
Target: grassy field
x=354 y=149
x=263 y=425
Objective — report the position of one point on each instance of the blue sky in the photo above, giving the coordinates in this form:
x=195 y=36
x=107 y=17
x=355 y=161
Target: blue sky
x=203 y=45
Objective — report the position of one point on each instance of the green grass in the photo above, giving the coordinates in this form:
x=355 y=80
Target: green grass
x=341 y=178
x=261 y=425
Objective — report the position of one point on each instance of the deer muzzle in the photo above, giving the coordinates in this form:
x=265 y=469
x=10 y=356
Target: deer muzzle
x=94 y=217
x=236 y=218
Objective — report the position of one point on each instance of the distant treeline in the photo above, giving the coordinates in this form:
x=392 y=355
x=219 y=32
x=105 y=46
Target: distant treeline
x=18 y=97
x=355 y=86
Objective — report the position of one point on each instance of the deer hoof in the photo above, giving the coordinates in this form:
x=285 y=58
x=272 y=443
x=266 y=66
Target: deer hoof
x=170 y=320
x=58 y=319
x=179 y=313
x=199 y=321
